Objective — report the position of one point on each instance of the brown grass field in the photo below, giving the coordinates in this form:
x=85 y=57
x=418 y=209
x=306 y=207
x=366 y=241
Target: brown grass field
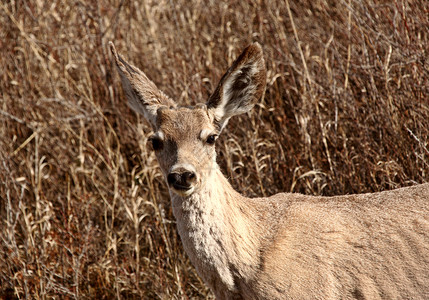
x=84 y=210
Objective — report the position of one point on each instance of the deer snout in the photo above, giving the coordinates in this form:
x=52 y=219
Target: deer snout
x=182 y=179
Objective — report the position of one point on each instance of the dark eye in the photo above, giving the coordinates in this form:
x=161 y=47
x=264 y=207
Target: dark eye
x=211 y=139
x=156 y=143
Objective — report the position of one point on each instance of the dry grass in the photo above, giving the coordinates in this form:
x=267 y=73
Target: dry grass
x=84 y=211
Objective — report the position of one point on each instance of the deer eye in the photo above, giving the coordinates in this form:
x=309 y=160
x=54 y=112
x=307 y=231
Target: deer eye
x=211 y=139
x=156 y=143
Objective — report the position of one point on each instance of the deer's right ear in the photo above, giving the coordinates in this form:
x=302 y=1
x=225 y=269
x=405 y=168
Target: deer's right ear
x=143 y=95
x=241 y=86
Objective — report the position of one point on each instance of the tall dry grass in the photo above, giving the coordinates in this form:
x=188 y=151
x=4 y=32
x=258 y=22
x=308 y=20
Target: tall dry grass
x=84 y=211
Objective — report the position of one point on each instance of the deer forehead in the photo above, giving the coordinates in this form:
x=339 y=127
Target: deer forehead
x=184 y=122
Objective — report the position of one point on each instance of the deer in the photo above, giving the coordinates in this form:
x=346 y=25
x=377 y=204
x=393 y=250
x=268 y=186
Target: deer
x=289 y=245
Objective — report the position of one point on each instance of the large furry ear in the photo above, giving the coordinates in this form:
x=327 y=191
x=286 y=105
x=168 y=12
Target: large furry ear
x=143 y=95
x=241 y=86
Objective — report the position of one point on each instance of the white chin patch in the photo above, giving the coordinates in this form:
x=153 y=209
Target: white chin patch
x=182 y=193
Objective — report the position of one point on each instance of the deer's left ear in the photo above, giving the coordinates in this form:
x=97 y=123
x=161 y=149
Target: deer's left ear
x=240 y=87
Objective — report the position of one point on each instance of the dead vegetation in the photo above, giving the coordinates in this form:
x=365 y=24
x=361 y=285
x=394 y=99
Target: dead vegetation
x=84 y=209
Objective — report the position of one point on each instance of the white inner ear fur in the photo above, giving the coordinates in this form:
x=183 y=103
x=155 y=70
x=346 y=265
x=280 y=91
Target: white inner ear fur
x=149 y=113
x=230 y=107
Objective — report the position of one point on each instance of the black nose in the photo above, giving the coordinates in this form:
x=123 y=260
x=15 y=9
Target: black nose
x=181 y=181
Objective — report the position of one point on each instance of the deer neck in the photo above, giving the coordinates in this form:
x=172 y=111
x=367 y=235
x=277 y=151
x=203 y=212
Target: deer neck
x=218 y=227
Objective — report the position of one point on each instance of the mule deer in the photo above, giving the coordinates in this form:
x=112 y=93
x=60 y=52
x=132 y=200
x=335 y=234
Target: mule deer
x=287 y=246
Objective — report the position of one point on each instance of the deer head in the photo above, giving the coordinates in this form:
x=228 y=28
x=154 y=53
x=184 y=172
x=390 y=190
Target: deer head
x=184 y=137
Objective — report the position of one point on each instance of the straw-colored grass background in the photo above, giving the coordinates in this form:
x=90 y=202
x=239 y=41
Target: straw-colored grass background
x=84 y=211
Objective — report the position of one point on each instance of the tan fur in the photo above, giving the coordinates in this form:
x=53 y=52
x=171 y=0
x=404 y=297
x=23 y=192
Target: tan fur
x=287 y=246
